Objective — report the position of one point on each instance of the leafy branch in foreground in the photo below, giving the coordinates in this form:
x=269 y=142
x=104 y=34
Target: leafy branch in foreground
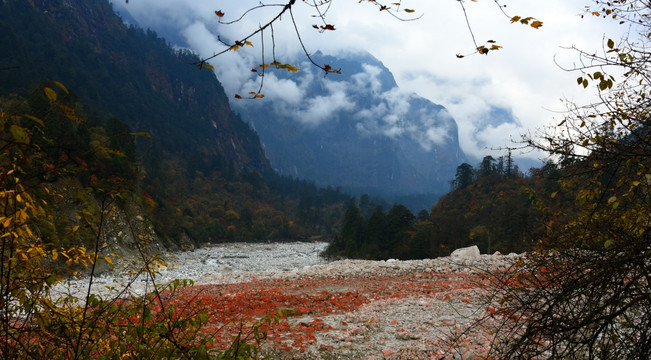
x=57 y=198
x=321 y=8
x=584 y=293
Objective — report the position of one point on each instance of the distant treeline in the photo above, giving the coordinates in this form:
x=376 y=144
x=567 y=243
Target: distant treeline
x=492 y=206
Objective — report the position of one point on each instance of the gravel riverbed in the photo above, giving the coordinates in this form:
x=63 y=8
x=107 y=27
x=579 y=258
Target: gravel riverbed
x=347 y=309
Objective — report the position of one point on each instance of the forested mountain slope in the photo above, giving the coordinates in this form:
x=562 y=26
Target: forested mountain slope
x=204 y=173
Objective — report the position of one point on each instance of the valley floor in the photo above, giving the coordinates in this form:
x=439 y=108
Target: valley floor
x=348 y=309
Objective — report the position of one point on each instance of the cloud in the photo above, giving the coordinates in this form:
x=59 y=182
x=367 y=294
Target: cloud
x=318 y=109
x=523 y=76
x=368 y=79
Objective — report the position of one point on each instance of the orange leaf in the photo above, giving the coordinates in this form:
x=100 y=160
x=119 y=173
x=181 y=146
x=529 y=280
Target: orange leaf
x=219 y=13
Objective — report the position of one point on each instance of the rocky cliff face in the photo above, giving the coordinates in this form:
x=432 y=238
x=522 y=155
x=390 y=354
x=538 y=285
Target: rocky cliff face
x=357 y=130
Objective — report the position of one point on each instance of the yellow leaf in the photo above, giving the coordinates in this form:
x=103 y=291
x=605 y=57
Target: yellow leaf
x=515 y=19
x=55 y=254
x=51 y=94
x=259 y=96
x=208 y=66
x=114 y=152
x=108 y=260
x=75 y=228
x=536 y=24
x=247 y=42
x=409 y=10
x=142 y=133
x=35 y=119
x=234 y=48
x=71 y=114
x=60 y=85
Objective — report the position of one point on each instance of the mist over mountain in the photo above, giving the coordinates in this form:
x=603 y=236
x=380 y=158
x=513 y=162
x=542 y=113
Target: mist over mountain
x=356 y=129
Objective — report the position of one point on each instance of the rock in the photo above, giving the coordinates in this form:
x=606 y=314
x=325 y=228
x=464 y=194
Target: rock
x=466 y=253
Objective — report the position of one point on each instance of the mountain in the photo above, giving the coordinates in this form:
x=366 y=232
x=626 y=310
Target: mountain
x=357 y=129
x=203 y=171
x=86 y=46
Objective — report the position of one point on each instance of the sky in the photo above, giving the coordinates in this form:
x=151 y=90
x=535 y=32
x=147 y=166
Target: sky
x=525 y=77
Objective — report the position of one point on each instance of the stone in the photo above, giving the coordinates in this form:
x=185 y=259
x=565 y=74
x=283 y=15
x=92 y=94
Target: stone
x=466 y=253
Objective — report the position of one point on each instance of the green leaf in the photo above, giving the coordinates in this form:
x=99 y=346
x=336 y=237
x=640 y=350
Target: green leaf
x=611 y=43
x=603 y=85
x=20 y=134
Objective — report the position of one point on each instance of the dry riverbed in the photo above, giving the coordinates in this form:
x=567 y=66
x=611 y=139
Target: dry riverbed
x=347 y=309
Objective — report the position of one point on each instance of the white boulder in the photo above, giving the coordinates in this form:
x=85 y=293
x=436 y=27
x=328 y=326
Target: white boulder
x=466 y=253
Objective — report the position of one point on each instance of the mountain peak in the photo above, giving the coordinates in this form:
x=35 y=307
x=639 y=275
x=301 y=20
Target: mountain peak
x=356 y=129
